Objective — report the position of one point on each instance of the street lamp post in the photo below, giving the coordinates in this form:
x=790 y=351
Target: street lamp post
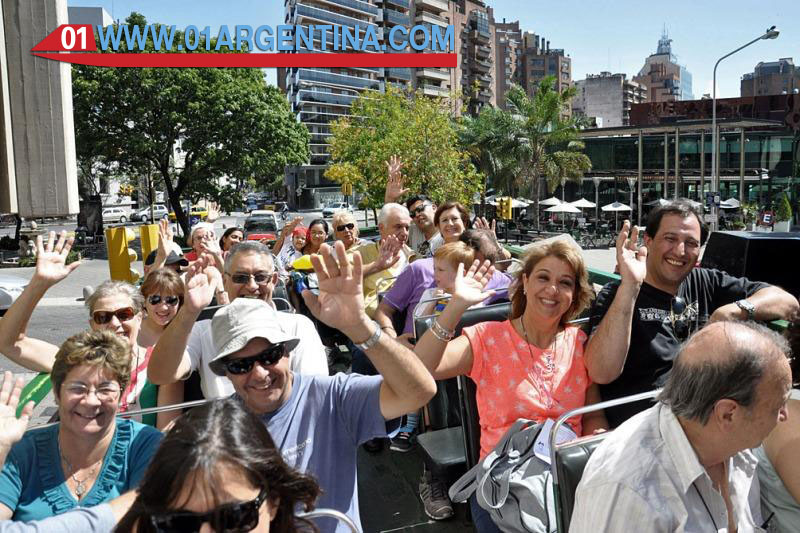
x=771 y=33
x=596 y=180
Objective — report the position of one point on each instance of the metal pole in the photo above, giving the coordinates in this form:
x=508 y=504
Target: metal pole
x=741 y=165
x=596 y=180
x=702 y=193
x=677 y=162
x=639 y=179
x=666 y=164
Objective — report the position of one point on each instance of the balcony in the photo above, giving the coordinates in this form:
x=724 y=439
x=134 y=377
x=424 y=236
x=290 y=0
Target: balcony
x=483 y=96
x=314 y=13
x=440 y=5
x=396 y=17
x=430 y=18
x=317 y=97
x=405 y=4
x=480 y=36
x=481 y=65
x=399 y=73
x=434 y=74
x=484 y=51
x=434 y=90
x=305 y=74
x=357 y=5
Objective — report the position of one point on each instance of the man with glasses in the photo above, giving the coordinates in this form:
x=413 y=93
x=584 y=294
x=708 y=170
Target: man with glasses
x=186 y=344
x=638 y=323
x=427 y=237
x=318 y=421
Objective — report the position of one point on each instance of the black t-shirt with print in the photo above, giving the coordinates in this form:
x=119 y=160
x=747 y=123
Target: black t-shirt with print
x=654 y=342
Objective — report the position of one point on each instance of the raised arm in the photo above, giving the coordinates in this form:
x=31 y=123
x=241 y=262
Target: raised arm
x=51 y=268
x=285 y=232
x=395 y=185
x=407 y=385
x=11 y=428
x=607 y=348
x=454 y=358
x=170 y=362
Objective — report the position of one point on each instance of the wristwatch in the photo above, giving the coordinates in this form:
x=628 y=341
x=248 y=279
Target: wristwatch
x=748 y=307
x=372 y=340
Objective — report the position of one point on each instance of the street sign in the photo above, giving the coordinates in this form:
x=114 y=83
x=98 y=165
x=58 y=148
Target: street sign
x=712 y=198
x=711 y=219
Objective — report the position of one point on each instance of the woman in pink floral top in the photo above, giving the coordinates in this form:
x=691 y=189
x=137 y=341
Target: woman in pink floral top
x=530 y=366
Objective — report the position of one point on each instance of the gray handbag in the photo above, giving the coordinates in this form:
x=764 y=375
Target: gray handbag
x=512 y=484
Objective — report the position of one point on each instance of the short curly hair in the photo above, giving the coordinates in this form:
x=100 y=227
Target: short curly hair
x=112 y=287
x=100 y=348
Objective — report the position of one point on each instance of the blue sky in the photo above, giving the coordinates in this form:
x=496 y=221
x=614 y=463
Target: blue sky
x=614 y=35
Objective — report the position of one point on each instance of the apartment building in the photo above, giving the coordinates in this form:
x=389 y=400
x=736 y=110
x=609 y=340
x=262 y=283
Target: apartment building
x=662 y=76
x=607 y=98
x=772 y=77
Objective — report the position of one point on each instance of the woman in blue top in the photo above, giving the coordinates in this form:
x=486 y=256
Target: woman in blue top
x=90 y=457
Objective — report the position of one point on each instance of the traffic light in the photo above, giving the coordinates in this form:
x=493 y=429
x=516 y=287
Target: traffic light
x=120 y=256
x=148 y=234
x=504 y=208
x=347 y=189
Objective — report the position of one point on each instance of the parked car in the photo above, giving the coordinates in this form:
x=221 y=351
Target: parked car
x=10 y=289
x=261 y=227
x=115 y=214
x=196 y=211
x=159 y=212
x=333 y=207
x=264 y=214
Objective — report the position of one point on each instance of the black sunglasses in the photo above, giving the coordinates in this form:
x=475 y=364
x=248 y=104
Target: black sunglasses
x=242 y=279
x=349 y=225
x=268 y=357
x=104 y=317
x=230 y=518
x=155 y=299
x=419 y=209
x=680 y=326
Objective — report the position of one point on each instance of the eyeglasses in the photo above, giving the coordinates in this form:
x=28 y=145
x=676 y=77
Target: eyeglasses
x=268 y=357
x=156 y=299
x=104 y=317
x=260 y=278
x=318 y=234
x=105 y=392
x=419 y=209
x=230 y=517
x=343 y=227
x=680 y=325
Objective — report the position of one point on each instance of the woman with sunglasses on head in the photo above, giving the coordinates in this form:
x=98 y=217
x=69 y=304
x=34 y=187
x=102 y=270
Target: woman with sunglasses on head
x=219 y=468
x=90 y=456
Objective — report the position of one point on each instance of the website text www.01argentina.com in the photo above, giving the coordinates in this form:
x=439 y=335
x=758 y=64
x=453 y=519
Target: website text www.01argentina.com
x=283 y=38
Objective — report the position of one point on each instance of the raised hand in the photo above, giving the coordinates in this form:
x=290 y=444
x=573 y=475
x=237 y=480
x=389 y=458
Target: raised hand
x=11 y=427
x=289 y=228
x=395 y=182
x=340 y=303
x=51 y=260
x=631 y=259
x=468 y=287
x=199 y=286
x=389 y=253
x=482 y=223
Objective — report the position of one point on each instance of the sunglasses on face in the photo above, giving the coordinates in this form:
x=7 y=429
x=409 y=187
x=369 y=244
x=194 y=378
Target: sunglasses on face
x=343 y=227
x=261 y=278
x=268 y=357
x=156 y=299
x=104 y=317
x=419 y=209
x=230 y=518
x=680 y=325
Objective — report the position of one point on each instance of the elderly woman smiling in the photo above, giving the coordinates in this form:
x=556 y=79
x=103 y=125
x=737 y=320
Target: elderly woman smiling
x=90 y=457
x=345 y=229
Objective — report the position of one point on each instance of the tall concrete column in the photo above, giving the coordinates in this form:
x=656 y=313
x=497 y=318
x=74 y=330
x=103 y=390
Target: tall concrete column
x=677 y=162
x=741 y=165
x=639 y=180
x=666 y=165
x=702 y=193
x=40 y=103
x=8 y=181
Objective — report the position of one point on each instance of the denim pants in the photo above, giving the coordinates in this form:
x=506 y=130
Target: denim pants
x=480 y=517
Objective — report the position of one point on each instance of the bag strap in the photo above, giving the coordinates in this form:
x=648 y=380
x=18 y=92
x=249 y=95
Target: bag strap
x=462 y=489
x=500 y=485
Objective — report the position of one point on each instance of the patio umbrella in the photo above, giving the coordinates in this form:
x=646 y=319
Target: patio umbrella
x=583 y=203
x=616 y=207
x=550 y=201
x=563 y=208
x=660 y=202
x=730 y=203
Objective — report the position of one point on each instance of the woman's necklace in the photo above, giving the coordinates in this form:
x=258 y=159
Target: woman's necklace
x=548 y=356
x=80 y=484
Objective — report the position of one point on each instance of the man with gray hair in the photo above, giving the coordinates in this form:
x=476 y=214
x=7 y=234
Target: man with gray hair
x=684 y=464
x=186 y=344
x=384 y=260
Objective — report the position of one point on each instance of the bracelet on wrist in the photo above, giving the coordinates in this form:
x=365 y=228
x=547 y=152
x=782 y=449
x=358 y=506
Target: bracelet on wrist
x=444 y=335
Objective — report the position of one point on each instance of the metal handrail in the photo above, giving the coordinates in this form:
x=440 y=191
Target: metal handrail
x=147 y=411
x=331 y=513
x=588 y=409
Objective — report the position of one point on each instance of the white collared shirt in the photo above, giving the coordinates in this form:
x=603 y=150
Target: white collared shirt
x=645 y=476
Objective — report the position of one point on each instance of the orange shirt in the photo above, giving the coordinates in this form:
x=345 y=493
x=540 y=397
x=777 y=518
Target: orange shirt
x=512 y=385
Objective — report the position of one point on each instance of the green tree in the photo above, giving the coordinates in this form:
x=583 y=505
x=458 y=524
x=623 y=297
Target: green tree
x=546 y=142
x=411 y=126
x=188 y=127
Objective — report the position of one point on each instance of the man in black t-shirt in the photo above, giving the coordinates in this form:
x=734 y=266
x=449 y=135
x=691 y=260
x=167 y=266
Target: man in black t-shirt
x=637 y=324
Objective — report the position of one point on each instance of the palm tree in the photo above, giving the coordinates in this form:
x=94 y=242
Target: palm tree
x=547 y=142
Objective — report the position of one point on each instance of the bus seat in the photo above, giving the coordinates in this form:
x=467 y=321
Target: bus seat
x=571 y=459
